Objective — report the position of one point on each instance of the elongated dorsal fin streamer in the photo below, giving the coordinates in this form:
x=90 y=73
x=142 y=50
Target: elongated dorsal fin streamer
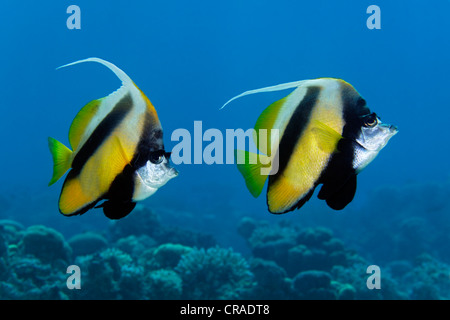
x=126 y=80
x=278 y=87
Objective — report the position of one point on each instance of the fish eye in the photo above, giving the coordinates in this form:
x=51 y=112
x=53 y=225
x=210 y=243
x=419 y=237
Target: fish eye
x=370 y=120
x=157 y=157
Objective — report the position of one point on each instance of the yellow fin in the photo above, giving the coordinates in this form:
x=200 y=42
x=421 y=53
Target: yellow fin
x=266 y=121
x=282 y=195
x=119 y=155
x=81 y=121
x=286 y=195
x=251 y=172
x=326 y=137
x=62 y=159
x=73 y=198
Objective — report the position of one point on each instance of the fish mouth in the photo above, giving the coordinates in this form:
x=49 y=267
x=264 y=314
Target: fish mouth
x=156 y=176
x=172 y=173
x=393 y=129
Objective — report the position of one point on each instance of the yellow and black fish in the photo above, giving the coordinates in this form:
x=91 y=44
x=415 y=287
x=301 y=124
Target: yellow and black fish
x=118 y=152
x=327 y=136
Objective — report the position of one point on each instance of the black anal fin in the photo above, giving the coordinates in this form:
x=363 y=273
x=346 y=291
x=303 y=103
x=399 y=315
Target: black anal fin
x=117 y=210
x=302 y=201
x=340 y=199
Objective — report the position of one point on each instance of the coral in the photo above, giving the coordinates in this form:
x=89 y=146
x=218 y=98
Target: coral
x=313 y=285
x=139 y=258
x=3 y=247
x=186 y=237
x=215 y=273
x=131 y=282
x=344 y=291
x=314 y=236
x=168 y=255
x=246 y=227
x=413 y=220
x=293 y=249
x=45 y=243
x=145 y=222
x=142 y=222
x=11 y=231
x=428 y=279
x=399 y=268
x=135 y=245
x=163 y=285
x=165 y=256
x=271 y=281
x=87 y=243
x=29 y=278
x=110 y=274
x=301 y=258
x=355 y=275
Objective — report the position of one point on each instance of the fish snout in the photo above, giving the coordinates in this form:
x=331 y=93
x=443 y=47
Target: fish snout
x=393 y=129
x=172 y=173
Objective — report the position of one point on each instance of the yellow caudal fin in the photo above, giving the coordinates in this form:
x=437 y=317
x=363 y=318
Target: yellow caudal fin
x=326 y=137
x=250 y=166
x=62 y=159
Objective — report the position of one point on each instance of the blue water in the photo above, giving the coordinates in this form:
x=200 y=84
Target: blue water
x=190 y=57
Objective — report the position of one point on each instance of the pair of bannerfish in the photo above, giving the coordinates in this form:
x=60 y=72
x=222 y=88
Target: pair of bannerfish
x=327 y=135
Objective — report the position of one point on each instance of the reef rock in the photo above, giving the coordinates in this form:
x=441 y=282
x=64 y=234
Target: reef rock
x=313 y=285
x=46 y=244
x=87 y=243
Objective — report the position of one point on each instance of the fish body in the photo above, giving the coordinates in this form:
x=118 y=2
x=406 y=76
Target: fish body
x=117 y=152
x=327 y=136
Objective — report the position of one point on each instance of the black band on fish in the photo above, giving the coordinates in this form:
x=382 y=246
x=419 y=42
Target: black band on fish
x=102 y=132
x=295 y=128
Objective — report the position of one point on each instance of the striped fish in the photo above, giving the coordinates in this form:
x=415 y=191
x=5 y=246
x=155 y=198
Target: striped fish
x=327 y=136
x=117 y=152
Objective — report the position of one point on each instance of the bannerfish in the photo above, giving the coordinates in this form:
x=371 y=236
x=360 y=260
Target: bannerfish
x=117 y=152
x=327 y=135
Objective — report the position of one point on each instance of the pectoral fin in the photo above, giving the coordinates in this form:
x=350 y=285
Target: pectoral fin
x=326 y=137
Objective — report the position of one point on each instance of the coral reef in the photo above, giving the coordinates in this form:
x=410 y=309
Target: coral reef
x=87 y=243
x=164 y=284
x=215 y=273
x=144 y=221
x=271 y=281
x=313 y=284
x=139 y=258
x=310 y=263
x=122 y=265
x=45 y=243
x=294 y=249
